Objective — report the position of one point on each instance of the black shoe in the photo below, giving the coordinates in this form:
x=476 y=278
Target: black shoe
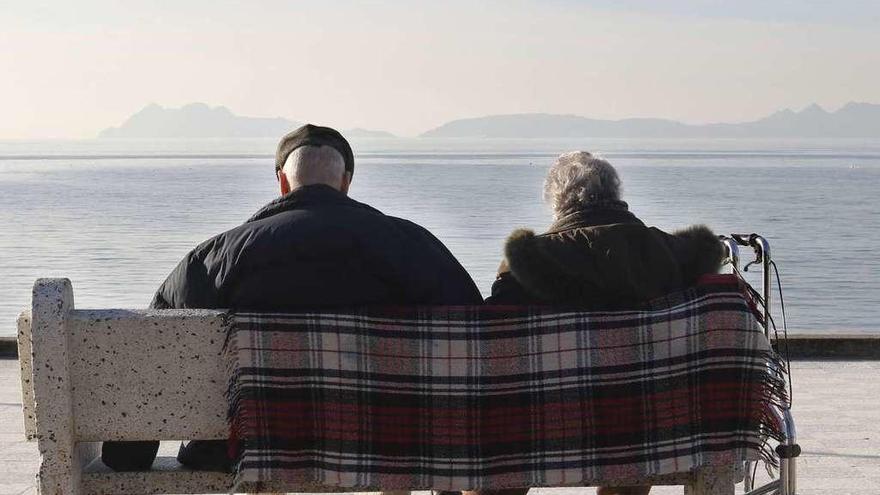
x=129 y=456
x=205 y=455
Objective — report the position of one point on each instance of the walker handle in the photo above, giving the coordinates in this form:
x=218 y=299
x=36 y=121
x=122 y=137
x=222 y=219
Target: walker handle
x=762 y=256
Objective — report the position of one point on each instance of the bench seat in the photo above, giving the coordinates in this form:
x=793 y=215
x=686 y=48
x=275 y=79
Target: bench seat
x=165 y=476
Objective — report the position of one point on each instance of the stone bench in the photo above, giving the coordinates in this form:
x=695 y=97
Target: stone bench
x=90 y=376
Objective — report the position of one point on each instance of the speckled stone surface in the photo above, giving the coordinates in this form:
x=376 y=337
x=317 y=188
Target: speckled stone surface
x=148 y=375
x=115 y=374
x=166 y=476
x=27 y=371
x=62 y=458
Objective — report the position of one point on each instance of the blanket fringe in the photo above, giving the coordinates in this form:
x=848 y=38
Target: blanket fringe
x=236 y=411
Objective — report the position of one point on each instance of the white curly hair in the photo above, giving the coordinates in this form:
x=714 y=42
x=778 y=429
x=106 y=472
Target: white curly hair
x=578 y=180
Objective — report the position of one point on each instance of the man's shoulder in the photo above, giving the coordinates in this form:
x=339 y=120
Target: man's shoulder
x=405 y=224
x=306 y=226
x=417 y=233
x=207 y=255
x=343 y=221
x=203 y=248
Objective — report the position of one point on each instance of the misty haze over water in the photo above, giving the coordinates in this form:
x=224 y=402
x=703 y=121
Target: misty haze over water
x=116 y=216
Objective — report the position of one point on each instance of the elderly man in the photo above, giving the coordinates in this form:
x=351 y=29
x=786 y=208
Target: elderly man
x=312 y=247
x=598 y=255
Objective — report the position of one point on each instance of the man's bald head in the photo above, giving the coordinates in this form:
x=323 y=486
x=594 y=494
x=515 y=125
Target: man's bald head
x=309 y=165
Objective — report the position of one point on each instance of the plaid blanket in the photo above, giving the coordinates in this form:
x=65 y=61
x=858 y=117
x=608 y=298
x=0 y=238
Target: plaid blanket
x=498 y=397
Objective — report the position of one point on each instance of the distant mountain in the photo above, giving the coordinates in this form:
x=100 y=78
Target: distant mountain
x=357 y=132
x=852 y=120
x=198 y=120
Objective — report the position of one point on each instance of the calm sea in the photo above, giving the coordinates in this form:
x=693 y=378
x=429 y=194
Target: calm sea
x=116 y=216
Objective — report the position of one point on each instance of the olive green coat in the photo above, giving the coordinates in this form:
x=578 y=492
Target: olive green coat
x=602 y=258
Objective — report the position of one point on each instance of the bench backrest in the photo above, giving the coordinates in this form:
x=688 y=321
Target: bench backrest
x=137 y=375
x=98 y=375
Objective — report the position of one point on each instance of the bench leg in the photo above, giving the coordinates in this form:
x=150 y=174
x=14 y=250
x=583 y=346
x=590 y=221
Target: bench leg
x=717 y=480
x=60 y=458
x=27 y=375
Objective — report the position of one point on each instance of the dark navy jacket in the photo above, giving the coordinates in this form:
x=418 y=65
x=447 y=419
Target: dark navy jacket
x=313 y=248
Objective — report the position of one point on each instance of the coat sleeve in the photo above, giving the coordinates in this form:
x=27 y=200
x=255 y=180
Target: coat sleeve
x=507 y=290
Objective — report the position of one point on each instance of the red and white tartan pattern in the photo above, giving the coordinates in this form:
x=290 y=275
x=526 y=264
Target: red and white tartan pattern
x=496 y=397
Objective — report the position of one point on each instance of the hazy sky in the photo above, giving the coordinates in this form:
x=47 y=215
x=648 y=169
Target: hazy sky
x=69 y=69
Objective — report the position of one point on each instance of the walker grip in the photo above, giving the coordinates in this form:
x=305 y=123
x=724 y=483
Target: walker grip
x=788 y=451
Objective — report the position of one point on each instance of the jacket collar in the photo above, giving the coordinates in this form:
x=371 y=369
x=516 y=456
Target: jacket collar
x=606 y=213
x=301 y=197
x=559 y=268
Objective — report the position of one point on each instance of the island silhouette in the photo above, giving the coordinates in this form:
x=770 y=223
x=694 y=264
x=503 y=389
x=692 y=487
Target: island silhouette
x=198 y=120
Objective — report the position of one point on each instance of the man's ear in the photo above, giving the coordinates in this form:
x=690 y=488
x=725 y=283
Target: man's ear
x=283 y=182
x=346 y=183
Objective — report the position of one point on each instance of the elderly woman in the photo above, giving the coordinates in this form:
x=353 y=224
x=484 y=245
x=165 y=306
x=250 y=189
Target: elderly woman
x=597 y=254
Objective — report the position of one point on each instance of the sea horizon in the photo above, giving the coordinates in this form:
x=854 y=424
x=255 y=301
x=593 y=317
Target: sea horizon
x=115 y=215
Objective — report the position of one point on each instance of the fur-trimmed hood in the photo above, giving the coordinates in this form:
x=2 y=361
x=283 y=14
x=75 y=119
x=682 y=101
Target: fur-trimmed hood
x=609 y=265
